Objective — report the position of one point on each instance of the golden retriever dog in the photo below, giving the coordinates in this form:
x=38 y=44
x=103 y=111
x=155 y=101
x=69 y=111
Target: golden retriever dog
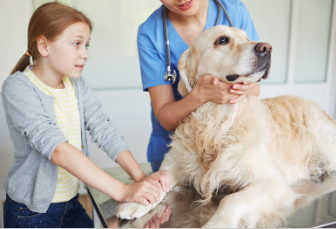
x=257 y=148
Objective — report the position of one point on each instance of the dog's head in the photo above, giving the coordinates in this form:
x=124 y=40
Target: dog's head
x=226 y=53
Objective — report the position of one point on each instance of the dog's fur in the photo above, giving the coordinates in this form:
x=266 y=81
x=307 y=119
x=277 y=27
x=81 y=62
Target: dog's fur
x=257 y=149
x=187 y=214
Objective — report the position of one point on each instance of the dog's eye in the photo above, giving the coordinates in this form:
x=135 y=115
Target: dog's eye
x=222 y=40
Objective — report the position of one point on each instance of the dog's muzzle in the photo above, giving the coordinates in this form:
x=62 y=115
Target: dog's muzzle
x=263 y=52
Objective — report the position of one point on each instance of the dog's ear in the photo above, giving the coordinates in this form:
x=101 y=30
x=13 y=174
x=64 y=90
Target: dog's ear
x=188 y=67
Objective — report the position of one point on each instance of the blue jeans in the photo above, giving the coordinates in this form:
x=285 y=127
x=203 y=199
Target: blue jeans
x=70 y=214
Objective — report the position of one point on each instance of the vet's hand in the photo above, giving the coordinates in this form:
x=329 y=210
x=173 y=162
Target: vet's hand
x=210 y=88
x=162 y=176
x=241 y=90
x=144 y=192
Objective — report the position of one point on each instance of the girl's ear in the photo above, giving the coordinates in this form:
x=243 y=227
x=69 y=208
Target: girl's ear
x=188 y=67
x=42 y=46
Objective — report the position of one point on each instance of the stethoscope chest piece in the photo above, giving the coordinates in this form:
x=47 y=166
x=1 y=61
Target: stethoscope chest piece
x=169 y=76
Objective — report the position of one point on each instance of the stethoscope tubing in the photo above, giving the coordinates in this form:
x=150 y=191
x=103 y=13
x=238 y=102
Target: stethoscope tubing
x=218 y=2
x=166 y=37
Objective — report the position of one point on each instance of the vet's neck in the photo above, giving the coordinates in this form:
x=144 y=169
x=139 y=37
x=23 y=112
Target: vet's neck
x=185 y=20
x=189 y=27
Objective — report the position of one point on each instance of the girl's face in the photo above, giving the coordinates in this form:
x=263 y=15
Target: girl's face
x=186 y=8
x=68 y=54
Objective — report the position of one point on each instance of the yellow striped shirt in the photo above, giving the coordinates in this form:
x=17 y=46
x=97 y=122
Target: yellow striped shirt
x=67 y=119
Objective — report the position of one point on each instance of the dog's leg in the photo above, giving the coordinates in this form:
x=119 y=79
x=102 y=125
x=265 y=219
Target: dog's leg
x=135 y=210
x=251 y=203
x=325 y=144
x=311 y=191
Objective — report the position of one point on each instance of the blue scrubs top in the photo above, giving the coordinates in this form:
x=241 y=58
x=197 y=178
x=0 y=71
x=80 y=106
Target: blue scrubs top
x=153 y=59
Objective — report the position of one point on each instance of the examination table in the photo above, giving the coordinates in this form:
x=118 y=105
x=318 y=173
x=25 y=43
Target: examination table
x=315 y=208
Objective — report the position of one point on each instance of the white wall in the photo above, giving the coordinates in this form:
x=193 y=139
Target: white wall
x=283 y=29
x=14 y=19
x=130 y=113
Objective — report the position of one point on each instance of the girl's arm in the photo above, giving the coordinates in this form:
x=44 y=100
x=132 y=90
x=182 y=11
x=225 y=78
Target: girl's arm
x=109 y=139
x=208 y=88
x=24 y=109
x=76 y=163
x=126 y=160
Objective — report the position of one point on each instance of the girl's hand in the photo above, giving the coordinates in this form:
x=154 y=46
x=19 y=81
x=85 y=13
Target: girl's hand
x=241 y=90
x=162 y=176
x=144 y=192
x=210 y=88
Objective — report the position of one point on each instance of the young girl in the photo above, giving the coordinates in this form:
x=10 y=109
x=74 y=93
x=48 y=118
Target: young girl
x=49 y=107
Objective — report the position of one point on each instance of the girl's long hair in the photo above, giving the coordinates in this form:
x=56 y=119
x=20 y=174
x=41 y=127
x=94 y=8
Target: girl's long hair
x=49 y=20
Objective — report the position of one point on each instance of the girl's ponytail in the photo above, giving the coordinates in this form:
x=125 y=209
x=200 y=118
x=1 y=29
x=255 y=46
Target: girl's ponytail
x=21 y=64
x=49 y=20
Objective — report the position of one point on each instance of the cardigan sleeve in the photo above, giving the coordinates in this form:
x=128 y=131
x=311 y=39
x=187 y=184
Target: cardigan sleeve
x=99 y=125
x=26 y=113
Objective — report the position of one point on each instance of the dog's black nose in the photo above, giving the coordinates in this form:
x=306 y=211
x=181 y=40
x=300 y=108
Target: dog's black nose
x=263 y=49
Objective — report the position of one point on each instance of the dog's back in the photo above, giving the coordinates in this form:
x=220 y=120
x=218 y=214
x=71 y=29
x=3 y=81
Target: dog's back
x=300 y=132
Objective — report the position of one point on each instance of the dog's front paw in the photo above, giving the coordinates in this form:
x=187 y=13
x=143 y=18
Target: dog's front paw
x=132 y=210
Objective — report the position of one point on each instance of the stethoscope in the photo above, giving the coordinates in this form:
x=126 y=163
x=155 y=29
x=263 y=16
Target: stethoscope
x=169 y=76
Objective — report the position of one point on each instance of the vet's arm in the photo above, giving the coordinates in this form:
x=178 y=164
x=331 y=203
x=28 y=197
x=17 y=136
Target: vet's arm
x=243 y=89
x=75 y=162
x=170 y=112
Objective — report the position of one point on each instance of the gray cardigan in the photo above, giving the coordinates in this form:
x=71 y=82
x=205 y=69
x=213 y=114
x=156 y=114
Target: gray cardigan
x=31 y=121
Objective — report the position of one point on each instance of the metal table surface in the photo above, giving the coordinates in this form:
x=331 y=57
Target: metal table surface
x=316 y=207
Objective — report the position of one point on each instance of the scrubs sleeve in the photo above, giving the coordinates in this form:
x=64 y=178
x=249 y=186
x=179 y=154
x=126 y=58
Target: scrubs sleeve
x=245 y=21
x=152 y=65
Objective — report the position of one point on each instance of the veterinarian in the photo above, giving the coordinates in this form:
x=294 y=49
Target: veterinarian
x=186 y=19
x=49 y=107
